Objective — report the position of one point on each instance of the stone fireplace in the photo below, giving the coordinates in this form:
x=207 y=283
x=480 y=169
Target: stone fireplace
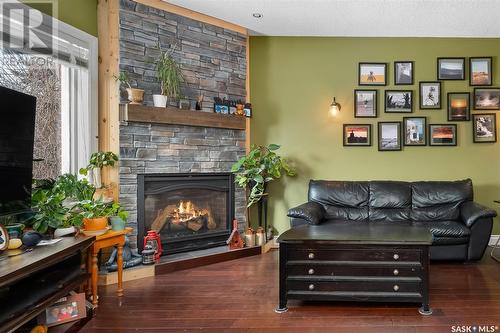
x=189 y=210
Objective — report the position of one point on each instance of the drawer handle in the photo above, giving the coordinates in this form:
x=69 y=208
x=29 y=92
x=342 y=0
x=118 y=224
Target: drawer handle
x=395 y=256
x=311 y=286
x=310 y=271
x=311 y=255
x=395 y=272
x=396 y=287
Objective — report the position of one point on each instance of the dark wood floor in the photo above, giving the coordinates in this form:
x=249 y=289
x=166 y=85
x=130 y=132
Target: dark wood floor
x=240 y=295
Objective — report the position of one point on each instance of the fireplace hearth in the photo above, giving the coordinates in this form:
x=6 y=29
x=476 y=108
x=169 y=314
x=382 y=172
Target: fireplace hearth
x=190 y=211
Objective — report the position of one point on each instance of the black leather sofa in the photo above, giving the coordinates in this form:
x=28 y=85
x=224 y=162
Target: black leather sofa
x=460 y=227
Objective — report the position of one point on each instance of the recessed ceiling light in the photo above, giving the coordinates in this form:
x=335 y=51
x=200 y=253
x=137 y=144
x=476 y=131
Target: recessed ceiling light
x=257 y=15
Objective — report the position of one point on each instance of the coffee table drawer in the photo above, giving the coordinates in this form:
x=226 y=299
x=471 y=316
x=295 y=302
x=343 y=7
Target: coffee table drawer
x=388 y=286
x=327 y=270
x=379 y=254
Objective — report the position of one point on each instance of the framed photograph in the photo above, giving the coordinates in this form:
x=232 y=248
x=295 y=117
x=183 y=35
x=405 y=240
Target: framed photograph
x=365 y=103
x=66 y=309
x=487 y=98
x=480 y=71
x=357 y=135
x=451 y=68
x=372 y=74
x=442 y=135
x=484 y=128
x=398 y=101
x=403 y=72
x=389 y=136
x=430 y=94
x=458 y=106
x=414 y=129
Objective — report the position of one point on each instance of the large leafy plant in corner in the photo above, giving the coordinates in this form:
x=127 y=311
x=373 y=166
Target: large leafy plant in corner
x=259 y=167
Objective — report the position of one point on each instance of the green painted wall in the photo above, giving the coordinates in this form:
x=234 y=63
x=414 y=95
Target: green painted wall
x=293 y=80
x=81 y=14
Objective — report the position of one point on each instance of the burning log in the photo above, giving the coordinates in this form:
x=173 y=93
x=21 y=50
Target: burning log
x=186 y=215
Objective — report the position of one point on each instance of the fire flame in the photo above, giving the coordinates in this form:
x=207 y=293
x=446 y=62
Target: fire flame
x=186 y=211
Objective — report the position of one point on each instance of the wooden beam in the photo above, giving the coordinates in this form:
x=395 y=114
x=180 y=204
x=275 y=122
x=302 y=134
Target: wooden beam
x=247 y=88
x=109 y=57
x=159 y=4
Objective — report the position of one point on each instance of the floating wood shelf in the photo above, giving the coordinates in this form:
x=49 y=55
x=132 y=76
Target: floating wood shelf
x=175 y=116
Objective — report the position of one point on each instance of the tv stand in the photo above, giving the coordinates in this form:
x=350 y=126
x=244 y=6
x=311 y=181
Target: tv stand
x=32 y=281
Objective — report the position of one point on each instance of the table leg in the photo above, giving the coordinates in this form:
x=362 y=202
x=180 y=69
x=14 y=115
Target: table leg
x=89 y=271
x=119 y=262
x=94 y=278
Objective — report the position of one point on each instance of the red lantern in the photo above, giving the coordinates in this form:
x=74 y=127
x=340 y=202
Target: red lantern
x=153 y=239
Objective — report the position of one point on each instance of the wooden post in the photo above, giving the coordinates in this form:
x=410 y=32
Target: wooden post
x=247 y=88
x=109 y=57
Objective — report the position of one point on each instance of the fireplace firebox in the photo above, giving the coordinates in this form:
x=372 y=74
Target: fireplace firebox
x=190 y=211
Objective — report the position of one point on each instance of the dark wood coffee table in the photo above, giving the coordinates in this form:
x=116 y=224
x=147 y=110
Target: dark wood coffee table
x=361 y=262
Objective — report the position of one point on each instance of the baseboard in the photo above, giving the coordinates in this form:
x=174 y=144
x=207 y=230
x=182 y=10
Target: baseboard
x=493 y=239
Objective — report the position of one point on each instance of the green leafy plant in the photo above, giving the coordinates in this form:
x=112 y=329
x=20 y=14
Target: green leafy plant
x=168 y=73
x=261 y=166
x=49 y=209
x=123 y=78
x=74 y=188
x=99 y=160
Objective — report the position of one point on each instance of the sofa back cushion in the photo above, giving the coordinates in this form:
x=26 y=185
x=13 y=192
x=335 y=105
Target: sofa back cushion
x=439 y=200
x=390 y=201
x=343 y=200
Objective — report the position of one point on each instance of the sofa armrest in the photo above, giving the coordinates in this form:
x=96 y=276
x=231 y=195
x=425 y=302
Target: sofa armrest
x=312 y=212
x=470 y=212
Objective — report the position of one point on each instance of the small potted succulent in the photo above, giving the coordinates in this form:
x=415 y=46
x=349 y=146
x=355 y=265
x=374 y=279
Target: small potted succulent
x=98 y=161
x=135 y=95
x=169 y=75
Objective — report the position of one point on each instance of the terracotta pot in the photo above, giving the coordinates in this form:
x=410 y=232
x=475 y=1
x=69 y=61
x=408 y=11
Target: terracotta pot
x=135 y=96
x=98 y=223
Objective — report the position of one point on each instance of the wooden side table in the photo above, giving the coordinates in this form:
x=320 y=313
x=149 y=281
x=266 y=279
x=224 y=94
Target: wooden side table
x=110 y=238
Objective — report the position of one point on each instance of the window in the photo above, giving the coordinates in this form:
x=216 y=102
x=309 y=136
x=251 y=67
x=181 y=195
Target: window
x=65 y=84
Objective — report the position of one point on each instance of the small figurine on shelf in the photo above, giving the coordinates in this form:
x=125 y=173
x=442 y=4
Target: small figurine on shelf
x=220 y=106
x=248 y=110
x=235 y=241
x=199 y=102
x=260 y=236
x=240 y=108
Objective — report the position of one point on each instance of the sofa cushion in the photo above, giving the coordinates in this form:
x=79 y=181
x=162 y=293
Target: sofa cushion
x=389 y=201
x=446 y=232
x=341 y=199
x=439 y=201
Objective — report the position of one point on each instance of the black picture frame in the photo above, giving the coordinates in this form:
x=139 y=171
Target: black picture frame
x=345 y=139
x=475 y=99
x=401 y=82
x=456 y=108
x=450 y=77
x=475 y=129
x=407 y=132
x=381 y=145
x=387 y=103
x=489 y=82
x=422 y=97
x=363 y=83
x=443 y=144
x=356 y=105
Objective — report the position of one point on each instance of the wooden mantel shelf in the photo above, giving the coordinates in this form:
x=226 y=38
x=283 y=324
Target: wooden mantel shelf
x=174 y=116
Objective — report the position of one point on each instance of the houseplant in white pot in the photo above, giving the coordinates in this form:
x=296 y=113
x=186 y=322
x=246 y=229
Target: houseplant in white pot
x=135 y=96
x=98 y=161
x=169 y=75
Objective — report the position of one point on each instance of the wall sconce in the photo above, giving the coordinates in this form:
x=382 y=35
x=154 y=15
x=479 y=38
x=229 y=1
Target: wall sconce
x=334 y=108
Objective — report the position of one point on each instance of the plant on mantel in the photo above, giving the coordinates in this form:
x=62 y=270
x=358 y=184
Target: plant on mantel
x=134 y=95
x=169 y=74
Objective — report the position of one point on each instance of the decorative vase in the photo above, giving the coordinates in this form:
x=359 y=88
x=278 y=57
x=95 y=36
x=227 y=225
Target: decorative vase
x=60 y=232
x=98 y=223
x=249 y=237
x=117 y=223
x=96 y=178
x=160 y=101
x=15 y=230
x=260 y=237
x=135 y=96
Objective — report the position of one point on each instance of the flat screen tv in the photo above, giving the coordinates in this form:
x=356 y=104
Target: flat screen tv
x=17 y=132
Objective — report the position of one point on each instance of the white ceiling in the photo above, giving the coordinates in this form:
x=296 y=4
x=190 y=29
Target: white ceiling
x=386 y=18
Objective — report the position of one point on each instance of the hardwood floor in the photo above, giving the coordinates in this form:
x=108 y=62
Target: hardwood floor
x=240 y=296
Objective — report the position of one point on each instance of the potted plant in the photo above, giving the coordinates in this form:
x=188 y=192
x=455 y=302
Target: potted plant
x=169 y=75
x=49 y=210
x=119 y=218
x=98 y=161
x=94 y=215
x=256 y=170
x=135 y=96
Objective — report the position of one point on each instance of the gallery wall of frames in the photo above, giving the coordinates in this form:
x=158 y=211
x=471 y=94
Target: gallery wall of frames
x=470 y=104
